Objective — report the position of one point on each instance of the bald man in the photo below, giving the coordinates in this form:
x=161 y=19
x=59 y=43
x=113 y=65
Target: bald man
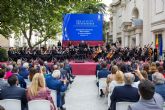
x=125 y=93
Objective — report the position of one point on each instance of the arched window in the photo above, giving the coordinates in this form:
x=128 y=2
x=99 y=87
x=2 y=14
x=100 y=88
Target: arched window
x=135 y=13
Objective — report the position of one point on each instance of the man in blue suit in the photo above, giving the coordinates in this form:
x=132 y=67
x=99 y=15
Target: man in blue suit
x=104 y=72
x=125 y=93
x=54 y=82
x=68 y=68
x=98 y=66
x=24 y=72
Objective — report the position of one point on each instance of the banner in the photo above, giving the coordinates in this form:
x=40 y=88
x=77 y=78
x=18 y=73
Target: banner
x=87 y=27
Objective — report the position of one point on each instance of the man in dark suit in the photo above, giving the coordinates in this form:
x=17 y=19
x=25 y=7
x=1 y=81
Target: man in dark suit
x=64 y=73
x=14 y=92
x=125 y=93
x=103 y=73
x=3 y=83
x=21 y=80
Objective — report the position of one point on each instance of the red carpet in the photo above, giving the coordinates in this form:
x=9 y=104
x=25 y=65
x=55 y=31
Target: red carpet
x=87 y=68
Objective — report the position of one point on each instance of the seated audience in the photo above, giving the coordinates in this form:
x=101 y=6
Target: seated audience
x=64 y=73
x=144 y=75
x=125 y=93
x=55 y=83
x=3 y=83
x=48 y=70
x=159 y=82
x=14 y=92
x=2 y=108
x=104 y=72
x=149 y=100
x=111 y=76
x=37 y=90
x=68 y=68
x=153 y=69
x=98 y=66
x=43 y=71
x=24 y=72
x=21 y=80
x=118 y=81
x=8 y=71
x=32 y=72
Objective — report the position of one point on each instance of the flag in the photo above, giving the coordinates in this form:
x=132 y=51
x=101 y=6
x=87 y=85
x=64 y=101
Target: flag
x=160 y=44
x=157 y=41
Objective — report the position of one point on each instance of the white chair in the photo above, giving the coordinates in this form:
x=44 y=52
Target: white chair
x=54 y=97
x=123 y=105
x=164 y=106
x=102 y=84
x=97 y=76
x=39 y=105
x=11 y=104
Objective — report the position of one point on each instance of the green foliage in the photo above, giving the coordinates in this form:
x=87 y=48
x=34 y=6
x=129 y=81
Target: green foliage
x=3 y=55
x=23 y=17
x=89 y=7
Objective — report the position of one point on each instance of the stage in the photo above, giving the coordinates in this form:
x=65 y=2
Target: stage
x=86 y=68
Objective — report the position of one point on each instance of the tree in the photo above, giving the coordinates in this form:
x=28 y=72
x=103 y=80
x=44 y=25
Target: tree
x=24 y=17
x=89 y=7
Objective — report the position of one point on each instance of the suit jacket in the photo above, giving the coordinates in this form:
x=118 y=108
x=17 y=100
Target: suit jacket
x=98 y=68
x=56 y=84
x=3 y=84
x=103 y=73
x=68 y=68
x=125 y=93
x=22 y=82
x=24 y=72
x=63 y=73
x=156 y=103
x=160 y=88
x=14 y=92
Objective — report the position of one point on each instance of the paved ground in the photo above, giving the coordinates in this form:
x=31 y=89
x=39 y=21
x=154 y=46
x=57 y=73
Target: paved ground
x=83 y=95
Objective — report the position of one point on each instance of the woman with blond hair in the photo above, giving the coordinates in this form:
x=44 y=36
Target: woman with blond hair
x=37 y=90
x=118 y=81
x=152 y=70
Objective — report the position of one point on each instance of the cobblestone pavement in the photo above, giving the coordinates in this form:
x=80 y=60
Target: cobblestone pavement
x=83 y=95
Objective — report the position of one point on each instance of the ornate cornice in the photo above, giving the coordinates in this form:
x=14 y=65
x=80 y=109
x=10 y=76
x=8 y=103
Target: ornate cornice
x=116 y=2
x=158 y=23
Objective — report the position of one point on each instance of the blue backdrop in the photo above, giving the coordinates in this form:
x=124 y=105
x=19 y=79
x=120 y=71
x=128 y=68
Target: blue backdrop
x=87 y=27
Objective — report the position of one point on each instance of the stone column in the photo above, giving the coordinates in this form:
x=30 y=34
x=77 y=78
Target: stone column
x=126 y=39
x=137 y=39
x=138 y=32
x=122 y=39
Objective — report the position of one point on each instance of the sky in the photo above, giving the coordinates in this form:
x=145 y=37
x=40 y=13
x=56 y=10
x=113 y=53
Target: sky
x=107 y=2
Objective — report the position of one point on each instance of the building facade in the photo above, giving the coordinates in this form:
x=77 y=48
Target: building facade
x=22 y=42
x=4 y=42
x=138 y=22
x=127 y=22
